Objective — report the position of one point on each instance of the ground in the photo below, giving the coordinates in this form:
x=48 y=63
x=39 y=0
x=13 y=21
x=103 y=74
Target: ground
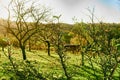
x=50 y=66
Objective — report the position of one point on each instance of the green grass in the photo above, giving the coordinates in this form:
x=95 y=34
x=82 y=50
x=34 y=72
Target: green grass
x=50 y=66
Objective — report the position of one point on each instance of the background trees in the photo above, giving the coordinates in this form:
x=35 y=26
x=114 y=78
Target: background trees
x=79 y=30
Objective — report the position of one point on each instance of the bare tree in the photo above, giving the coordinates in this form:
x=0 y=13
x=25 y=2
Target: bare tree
x=24 y=11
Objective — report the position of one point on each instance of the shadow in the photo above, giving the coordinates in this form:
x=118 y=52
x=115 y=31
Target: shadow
x=88 y=72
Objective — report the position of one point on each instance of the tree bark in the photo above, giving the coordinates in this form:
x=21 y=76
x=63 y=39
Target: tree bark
x=64 y=67
x=82 y=58
x=23 y=52
x=48 y=44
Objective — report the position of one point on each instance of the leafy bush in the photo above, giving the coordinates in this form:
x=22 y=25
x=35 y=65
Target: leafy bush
x=26 y=71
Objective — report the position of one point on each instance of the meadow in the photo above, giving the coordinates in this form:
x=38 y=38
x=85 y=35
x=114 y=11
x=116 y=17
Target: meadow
x=39 y=64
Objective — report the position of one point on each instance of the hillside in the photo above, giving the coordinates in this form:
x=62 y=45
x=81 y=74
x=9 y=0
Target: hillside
x=3 y=24
x=2 y=27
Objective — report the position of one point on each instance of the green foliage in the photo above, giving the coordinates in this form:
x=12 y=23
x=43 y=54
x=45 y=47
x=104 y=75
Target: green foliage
x=26 y=71
x=67 y=37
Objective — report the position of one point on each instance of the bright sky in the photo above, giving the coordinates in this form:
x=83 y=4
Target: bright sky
x=105 y=10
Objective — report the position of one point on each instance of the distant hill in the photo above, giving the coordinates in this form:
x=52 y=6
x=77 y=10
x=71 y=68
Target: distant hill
x=2 y=26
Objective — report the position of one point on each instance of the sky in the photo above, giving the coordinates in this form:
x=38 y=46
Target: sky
x=104 y=10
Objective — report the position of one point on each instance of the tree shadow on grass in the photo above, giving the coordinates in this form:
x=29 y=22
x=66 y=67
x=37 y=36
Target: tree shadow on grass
x=88 y=72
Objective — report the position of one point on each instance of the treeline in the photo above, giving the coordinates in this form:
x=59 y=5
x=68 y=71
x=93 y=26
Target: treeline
x=70 y=33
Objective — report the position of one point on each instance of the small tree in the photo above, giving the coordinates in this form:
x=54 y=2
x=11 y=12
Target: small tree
x=45 y=34
x=101 y=40
x=59 y=46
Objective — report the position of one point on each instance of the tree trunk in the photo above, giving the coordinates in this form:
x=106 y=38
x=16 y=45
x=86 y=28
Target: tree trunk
x=82 y=58
x=60 y=53
x=64 y=67
x=23 y=52
x=48 y=44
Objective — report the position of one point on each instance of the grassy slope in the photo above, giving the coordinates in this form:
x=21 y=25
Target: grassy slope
x=50 y=66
